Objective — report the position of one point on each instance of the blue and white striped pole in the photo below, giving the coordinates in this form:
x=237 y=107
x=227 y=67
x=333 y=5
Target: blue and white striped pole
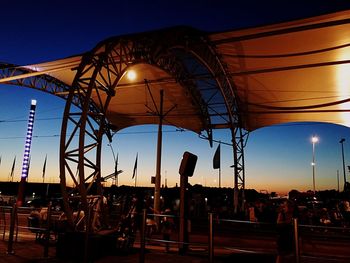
x=28 y=143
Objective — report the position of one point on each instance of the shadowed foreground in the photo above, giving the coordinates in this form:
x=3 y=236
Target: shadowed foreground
x=28 y=251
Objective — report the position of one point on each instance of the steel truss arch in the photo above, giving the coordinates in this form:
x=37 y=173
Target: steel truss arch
x=98 y=76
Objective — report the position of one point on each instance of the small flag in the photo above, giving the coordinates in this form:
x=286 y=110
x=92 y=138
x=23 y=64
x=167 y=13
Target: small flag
x=44 y=167
x=13 y=167
x=216 y=158
x=135 y=167
x=116 y=167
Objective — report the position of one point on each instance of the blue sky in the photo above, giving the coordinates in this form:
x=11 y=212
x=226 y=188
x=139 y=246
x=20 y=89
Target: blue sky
x=277 y=158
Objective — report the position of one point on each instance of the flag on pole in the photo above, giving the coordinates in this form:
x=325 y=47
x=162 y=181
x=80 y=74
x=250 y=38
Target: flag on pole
x=135 y=167
x=216 y=158
x=116 y=167
x=44 y=167
x=13 y=167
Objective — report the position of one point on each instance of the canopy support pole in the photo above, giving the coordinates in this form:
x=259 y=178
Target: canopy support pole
x=239 y=139
x=159 y=156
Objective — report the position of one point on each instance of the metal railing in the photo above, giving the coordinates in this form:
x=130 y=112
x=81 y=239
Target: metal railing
x=11 y=214
x=208 y=244
x=298 y=232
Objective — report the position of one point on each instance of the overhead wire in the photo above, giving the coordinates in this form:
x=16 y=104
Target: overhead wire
x=24 y=120
x=119 y=133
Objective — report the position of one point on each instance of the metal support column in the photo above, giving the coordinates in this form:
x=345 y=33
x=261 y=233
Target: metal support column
x=239 y=138
x=159 y=157
x=296 y=240
x=183 y=231
x=211 y=238
x=12 y=230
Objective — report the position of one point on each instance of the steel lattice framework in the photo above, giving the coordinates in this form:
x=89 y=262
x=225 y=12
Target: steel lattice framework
x=183 y=53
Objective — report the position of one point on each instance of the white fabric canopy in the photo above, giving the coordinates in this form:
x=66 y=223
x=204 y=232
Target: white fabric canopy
x=289 y=72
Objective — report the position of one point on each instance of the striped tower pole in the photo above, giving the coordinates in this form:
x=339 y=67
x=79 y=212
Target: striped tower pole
x=25 y=165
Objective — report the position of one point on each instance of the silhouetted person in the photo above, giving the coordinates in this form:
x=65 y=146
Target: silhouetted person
x=167 y=227
x=285 y=246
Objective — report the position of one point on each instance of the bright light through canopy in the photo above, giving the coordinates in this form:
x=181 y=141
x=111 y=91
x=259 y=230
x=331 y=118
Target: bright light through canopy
x=131 y=74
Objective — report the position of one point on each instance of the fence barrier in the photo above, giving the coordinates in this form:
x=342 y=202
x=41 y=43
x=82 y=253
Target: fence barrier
x=212 y=223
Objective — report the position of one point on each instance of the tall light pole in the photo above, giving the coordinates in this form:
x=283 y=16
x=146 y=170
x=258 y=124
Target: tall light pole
x=314 y=140
x=342 y=154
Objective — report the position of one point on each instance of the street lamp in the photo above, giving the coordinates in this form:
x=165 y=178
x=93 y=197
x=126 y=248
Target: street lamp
x=314 y=140
x=342 y=153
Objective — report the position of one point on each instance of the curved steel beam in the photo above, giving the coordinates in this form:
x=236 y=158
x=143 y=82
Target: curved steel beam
x=100 y=72
x=43 y=82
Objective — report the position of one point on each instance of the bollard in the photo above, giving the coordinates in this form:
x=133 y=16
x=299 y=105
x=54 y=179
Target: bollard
x=143 y=237
x=183 y=220
x=296 y=240
x=87 y=234
x=47 y=234
x=3 y=215
x=211 y=243
x=12 y=230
